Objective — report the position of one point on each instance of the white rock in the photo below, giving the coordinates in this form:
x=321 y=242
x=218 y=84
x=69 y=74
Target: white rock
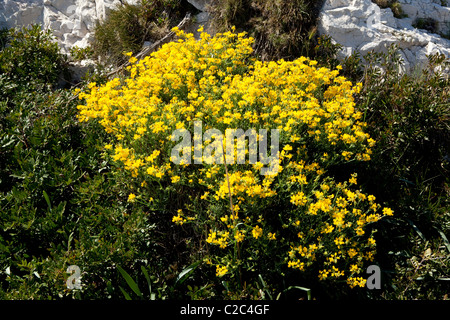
x=373 y=28
x=72 y=21
x=355 y=24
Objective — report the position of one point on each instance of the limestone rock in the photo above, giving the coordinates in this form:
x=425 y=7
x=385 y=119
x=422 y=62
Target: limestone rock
x=72 y=21
x=362 y=25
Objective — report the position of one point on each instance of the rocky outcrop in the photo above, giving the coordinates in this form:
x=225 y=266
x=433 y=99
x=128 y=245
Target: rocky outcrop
x=356 y=24
x=362 y=25
x=72 y=21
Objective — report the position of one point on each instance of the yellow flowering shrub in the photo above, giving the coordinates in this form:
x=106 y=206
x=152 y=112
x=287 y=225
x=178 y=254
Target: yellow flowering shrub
x=297 y=218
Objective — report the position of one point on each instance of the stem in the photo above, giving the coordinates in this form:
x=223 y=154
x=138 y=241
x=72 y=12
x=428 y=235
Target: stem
x=232 y=208
x=228 y=182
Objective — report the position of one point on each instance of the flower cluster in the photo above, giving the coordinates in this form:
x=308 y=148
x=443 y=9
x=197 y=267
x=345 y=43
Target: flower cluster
x=215 y=80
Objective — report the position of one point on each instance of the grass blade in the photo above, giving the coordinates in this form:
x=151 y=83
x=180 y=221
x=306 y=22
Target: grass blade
x=126 y=295
x=131 y=283
x=144 y=271
x=416 y=229
x=47 y=199
x=308 y=291
x=447 y=243
x=186 y=272
x=263 y=283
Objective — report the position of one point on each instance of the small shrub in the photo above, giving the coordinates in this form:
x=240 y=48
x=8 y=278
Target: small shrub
x=56 y=191
x=31 y=57
x=297 y=221
x=394 y=5
x=428 y=24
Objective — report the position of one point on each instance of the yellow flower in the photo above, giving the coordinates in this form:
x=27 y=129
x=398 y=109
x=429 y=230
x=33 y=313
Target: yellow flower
x=178 y=220
x=353 y=180
x=296 y=265
x=341 y=202
x=221 y=271
x=131 y=197
x=354 y=268
x=387 y=212
x=299 y=199
x=271 y=236
x=339 y=241
x=205 y=195
x=211 y=237
x=358 y=281
x=352 y=252
x=175 y=179
x=359 y=231
x=257 y=232
x=328 y=229
x=323 y=274
x=239 y=236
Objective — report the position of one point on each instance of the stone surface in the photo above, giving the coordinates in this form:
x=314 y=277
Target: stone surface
x=362 y=25
x=201 y=5
x=201 y=19
x=72 y=21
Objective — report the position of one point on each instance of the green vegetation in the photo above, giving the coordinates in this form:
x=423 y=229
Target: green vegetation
x=129 y=26
x=394 y=5
x=29 y=56
x=428 y=24
x=64 y=202
x=281 y=29
x=409 y=117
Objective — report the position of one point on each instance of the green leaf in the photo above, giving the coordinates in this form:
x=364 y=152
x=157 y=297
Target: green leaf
x=127 y=296
x=131 y=283
x=144 y=271
x=47 y=199
x=263 y=283
x=186 y=272
x=308 y=291
x=416 y=229
x=447 y=243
